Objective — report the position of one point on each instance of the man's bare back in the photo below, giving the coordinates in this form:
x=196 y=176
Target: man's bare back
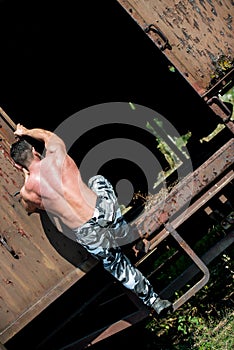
x=54 y=183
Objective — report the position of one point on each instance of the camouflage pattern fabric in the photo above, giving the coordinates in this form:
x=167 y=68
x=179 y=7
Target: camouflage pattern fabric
x=100 y=237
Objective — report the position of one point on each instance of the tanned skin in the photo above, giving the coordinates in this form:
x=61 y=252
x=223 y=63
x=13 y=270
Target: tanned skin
x=54 y=182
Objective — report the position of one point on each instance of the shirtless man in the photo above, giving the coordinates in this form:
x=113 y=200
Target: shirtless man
x=54 y=183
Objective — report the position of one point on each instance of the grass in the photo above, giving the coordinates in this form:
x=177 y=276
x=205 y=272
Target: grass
x=217 y=336
x=206 y=321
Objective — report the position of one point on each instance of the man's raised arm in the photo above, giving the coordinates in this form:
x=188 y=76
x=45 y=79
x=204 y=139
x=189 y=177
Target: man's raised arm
x=50 y=139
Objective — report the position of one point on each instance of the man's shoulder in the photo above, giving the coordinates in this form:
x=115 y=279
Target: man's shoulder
x=55 y=157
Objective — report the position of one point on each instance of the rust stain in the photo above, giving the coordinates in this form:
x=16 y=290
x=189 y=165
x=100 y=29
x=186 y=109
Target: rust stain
x=190 y=26
x=186 y=189
x=33 y=271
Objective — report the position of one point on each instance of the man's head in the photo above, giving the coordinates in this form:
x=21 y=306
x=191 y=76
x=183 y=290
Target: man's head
x=22 y=153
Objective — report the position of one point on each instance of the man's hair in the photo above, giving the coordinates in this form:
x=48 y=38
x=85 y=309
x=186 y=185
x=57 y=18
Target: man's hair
x=21 y=153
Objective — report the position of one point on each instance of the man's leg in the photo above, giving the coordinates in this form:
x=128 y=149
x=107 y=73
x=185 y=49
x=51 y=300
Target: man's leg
x=101 y=242
x=120 y=267
x=123 y=270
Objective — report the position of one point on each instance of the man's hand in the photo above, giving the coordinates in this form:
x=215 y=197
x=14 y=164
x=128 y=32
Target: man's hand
x=20 y=130
x=52 y=141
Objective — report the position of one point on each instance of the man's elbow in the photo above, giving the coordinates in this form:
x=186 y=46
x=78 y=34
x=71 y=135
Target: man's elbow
x=29 y=208
x=31 y=211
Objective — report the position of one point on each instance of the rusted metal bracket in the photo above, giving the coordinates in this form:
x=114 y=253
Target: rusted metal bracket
x=200 y=264
x=162 y=43
x=222 y=86
x=8 y=248
x=193 y=270
x=216 y=104
x=220 y=108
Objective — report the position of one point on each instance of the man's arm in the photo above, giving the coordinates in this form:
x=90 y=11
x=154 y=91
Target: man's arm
x=29 y=206
x=51 y=140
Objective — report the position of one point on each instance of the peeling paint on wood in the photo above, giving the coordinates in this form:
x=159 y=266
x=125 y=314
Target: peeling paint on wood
x=46 y=263
x=198 y=31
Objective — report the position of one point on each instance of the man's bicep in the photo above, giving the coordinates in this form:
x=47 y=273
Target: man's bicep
x=57 y=153
x=55 y=145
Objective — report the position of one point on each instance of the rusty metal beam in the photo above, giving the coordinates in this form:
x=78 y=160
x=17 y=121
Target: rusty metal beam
x=181 y=195
x=100 y=334
x=199 y=263
x=135 y=317
x=163 y=234
x=7 y=119
x=193 y=270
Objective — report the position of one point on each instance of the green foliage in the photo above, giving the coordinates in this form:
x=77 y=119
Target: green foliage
x=222 y=64
x=229 y=97
x=171 y=157
x=206 y=321
x=182 y=140
x=187 y=324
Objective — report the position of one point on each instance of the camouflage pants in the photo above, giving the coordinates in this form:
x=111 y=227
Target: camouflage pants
x=100 y=236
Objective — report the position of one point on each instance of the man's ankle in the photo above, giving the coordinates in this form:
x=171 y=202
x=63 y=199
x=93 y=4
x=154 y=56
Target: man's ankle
x=162 y=307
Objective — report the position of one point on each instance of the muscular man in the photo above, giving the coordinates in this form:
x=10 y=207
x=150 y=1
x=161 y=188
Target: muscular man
x=54 y=183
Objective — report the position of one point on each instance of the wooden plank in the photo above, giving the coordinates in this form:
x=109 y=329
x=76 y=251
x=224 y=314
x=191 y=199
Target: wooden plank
x=199 y=34
x=45 y=264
